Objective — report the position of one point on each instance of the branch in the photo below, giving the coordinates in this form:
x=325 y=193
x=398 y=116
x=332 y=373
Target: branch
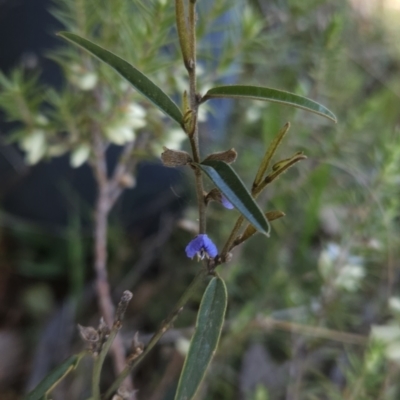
x=103 y=207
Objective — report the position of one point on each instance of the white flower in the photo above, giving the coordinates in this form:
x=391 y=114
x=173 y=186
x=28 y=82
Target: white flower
x=393 y=351
x=83 y=79
x=385 y=333
x=394 y=304
x=202 y=114
x=175 y=137
x=173 y=140
x=41 y=119
x=79 y=155
x=388 y=336
x=349 y=277
x=135 y=116
x=34 y=145
x=182 y=345
x=120 y=134
x=344 y=269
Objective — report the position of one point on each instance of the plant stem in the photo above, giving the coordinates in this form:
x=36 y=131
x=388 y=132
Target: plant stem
x=98 y=365
x=100 y=247
x=194 y=106
x=160 y=331
x=232 y=236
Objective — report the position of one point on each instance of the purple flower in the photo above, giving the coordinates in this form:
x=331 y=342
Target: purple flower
x=202 y=246
x=226 y=203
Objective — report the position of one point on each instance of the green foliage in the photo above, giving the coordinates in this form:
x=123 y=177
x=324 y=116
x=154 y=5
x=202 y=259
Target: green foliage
x=268 y=94
x=226 y=180
x=330 y=268
x=205 y=340
x=143 y=84
x=54 y=377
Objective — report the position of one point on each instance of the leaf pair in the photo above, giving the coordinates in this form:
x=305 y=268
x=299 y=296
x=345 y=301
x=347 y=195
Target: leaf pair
x=159 y=98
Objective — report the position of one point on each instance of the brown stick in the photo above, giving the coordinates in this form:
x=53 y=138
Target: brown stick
x=102 y=210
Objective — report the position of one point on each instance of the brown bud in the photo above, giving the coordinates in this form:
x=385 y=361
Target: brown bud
x=227 y=257
x=136 y=348
x=213 y=195
x=174 y=158
x=124 y=394
x=228 y=156
x=103 y=331
x=88 y=334
x=121 y=308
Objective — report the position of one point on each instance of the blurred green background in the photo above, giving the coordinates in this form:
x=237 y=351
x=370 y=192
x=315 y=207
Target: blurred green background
x=314 y=311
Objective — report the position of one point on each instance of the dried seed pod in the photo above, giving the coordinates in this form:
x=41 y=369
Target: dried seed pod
x=228 y=156
x=175 y=158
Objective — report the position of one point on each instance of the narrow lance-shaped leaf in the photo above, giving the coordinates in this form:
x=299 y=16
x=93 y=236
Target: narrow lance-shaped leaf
x=229 y=183
x=250 y=230
x=268 y=94
x=278 y=169
x=270 y=153
x=140 y=81
x=54 y=377
x=205 y=339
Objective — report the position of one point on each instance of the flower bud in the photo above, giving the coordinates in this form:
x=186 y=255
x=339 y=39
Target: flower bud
x=35 y=146
x=174 y=158
x=228 y=156
x=216 y=195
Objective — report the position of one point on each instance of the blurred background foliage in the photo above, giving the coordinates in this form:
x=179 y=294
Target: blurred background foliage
x=314 y=311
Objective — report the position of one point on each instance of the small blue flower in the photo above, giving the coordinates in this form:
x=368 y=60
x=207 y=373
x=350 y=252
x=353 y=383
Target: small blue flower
x=202 y=246
x=226 y=203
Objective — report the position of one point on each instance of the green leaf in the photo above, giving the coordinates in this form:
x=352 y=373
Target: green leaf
x=250 y=230
x=268 y=94
x=229 y=183
x=54 y=377
x=140 y=81
x=278 y=169
x=205 y=339
x=270 y=153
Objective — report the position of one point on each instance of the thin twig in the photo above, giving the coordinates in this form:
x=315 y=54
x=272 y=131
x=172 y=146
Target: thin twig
x=98 y=364
x=100 y=248
x=160 y=331
x=316 y=331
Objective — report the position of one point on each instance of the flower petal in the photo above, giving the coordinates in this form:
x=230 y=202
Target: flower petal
x=201 y=243
x=194 y=246
x=226 y=203
x=209 y=246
